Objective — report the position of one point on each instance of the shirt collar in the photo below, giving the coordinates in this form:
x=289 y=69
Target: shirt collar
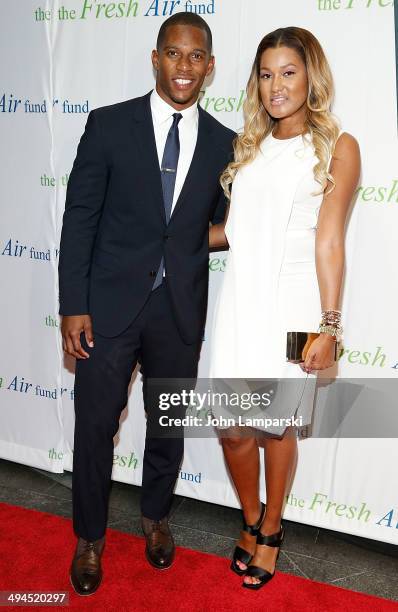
x=161 y=111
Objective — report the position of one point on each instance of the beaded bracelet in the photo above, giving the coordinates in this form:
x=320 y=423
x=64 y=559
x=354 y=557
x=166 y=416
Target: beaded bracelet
x=331 y=317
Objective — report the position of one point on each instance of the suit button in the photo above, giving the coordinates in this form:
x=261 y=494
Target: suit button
x=167 y=237
x=152 y=273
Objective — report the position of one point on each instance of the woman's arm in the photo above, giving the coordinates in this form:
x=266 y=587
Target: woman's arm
x=329 y=246
x=217 y=237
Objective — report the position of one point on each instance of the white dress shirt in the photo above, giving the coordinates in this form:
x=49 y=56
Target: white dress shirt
x=162 y=117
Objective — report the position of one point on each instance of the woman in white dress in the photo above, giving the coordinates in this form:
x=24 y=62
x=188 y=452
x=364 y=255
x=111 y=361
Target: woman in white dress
x=290 y=186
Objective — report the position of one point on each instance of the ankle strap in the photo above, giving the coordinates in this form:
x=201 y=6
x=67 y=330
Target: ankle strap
x=274 y=539
x=253 y=529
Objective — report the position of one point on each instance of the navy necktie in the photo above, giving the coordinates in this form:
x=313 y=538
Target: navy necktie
x=168 y=174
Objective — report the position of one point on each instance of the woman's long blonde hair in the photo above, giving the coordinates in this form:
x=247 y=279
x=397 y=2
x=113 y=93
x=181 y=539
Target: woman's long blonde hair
x=320 y=124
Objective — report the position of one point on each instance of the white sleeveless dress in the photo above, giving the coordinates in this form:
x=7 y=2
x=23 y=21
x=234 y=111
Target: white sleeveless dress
x=270 y=284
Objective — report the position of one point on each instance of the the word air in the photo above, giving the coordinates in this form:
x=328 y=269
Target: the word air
x=166 y=8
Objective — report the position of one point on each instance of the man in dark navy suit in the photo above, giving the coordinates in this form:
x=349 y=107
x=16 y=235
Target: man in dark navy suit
x=133 y=277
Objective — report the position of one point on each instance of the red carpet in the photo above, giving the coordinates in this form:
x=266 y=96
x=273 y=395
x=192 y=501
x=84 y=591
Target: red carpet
x=35 y=553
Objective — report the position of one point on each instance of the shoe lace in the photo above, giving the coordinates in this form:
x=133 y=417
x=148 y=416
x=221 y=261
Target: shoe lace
x=88 y=558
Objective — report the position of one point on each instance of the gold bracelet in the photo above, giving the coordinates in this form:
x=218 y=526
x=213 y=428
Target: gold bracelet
x=332 y=330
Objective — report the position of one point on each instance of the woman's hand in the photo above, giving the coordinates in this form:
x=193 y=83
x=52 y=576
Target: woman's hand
x=320 y=355
x=217 y=237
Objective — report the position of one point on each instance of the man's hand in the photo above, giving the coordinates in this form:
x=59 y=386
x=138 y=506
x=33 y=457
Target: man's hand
x=71 y=328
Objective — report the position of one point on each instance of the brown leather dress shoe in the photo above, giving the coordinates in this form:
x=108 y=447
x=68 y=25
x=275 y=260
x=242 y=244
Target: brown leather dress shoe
x=86 y=571
x=160 y=547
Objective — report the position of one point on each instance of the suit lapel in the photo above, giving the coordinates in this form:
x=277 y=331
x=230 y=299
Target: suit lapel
x=199 y=161
x=144 y=140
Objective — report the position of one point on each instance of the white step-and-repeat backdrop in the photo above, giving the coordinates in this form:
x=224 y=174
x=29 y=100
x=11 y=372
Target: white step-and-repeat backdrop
x=59 y=60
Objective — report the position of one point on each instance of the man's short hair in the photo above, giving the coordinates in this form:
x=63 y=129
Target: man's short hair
x=185 y=18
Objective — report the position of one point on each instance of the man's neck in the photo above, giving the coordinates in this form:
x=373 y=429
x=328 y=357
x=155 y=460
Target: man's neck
x=170 y=102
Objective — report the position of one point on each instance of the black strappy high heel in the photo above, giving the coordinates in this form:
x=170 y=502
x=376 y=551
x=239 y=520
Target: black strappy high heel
x=240 y=554
x=261 y=574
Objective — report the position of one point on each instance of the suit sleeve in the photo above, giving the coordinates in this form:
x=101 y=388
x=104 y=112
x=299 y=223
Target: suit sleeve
x=220 y=209
x=222 y=202
x=84 y=201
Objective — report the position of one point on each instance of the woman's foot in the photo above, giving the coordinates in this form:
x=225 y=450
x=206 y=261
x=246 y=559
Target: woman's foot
x=246 y=545
x=265 y=556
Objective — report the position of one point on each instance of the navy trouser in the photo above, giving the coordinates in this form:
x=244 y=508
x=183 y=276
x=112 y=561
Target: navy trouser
x=101 y=391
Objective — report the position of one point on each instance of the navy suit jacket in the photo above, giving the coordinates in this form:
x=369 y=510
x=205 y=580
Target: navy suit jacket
x=114 y=227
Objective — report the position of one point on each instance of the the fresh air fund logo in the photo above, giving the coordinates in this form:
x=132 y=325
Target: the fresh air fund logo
x=336 y=5
x=219 y=104
x=14 y=248
x=378 y=194
x=12 y=103
x=96 y=10
x=321 y=503
x=19 y=384
x=375 y=358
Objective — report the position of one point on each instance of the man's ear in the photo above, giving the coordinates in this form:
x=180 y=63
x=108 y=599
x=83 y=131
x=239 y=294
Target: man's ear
x=211 y=65
x=155 y=59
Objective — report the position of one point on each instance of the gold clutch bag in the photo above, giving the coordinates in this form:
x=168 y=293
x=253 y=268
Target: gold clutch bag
x=298 y=343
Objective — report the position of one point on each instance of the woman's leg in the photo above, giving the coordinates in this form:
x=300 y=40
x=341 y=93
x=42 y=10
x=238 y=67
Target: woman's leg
x=280 y=463
x=242 y=456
